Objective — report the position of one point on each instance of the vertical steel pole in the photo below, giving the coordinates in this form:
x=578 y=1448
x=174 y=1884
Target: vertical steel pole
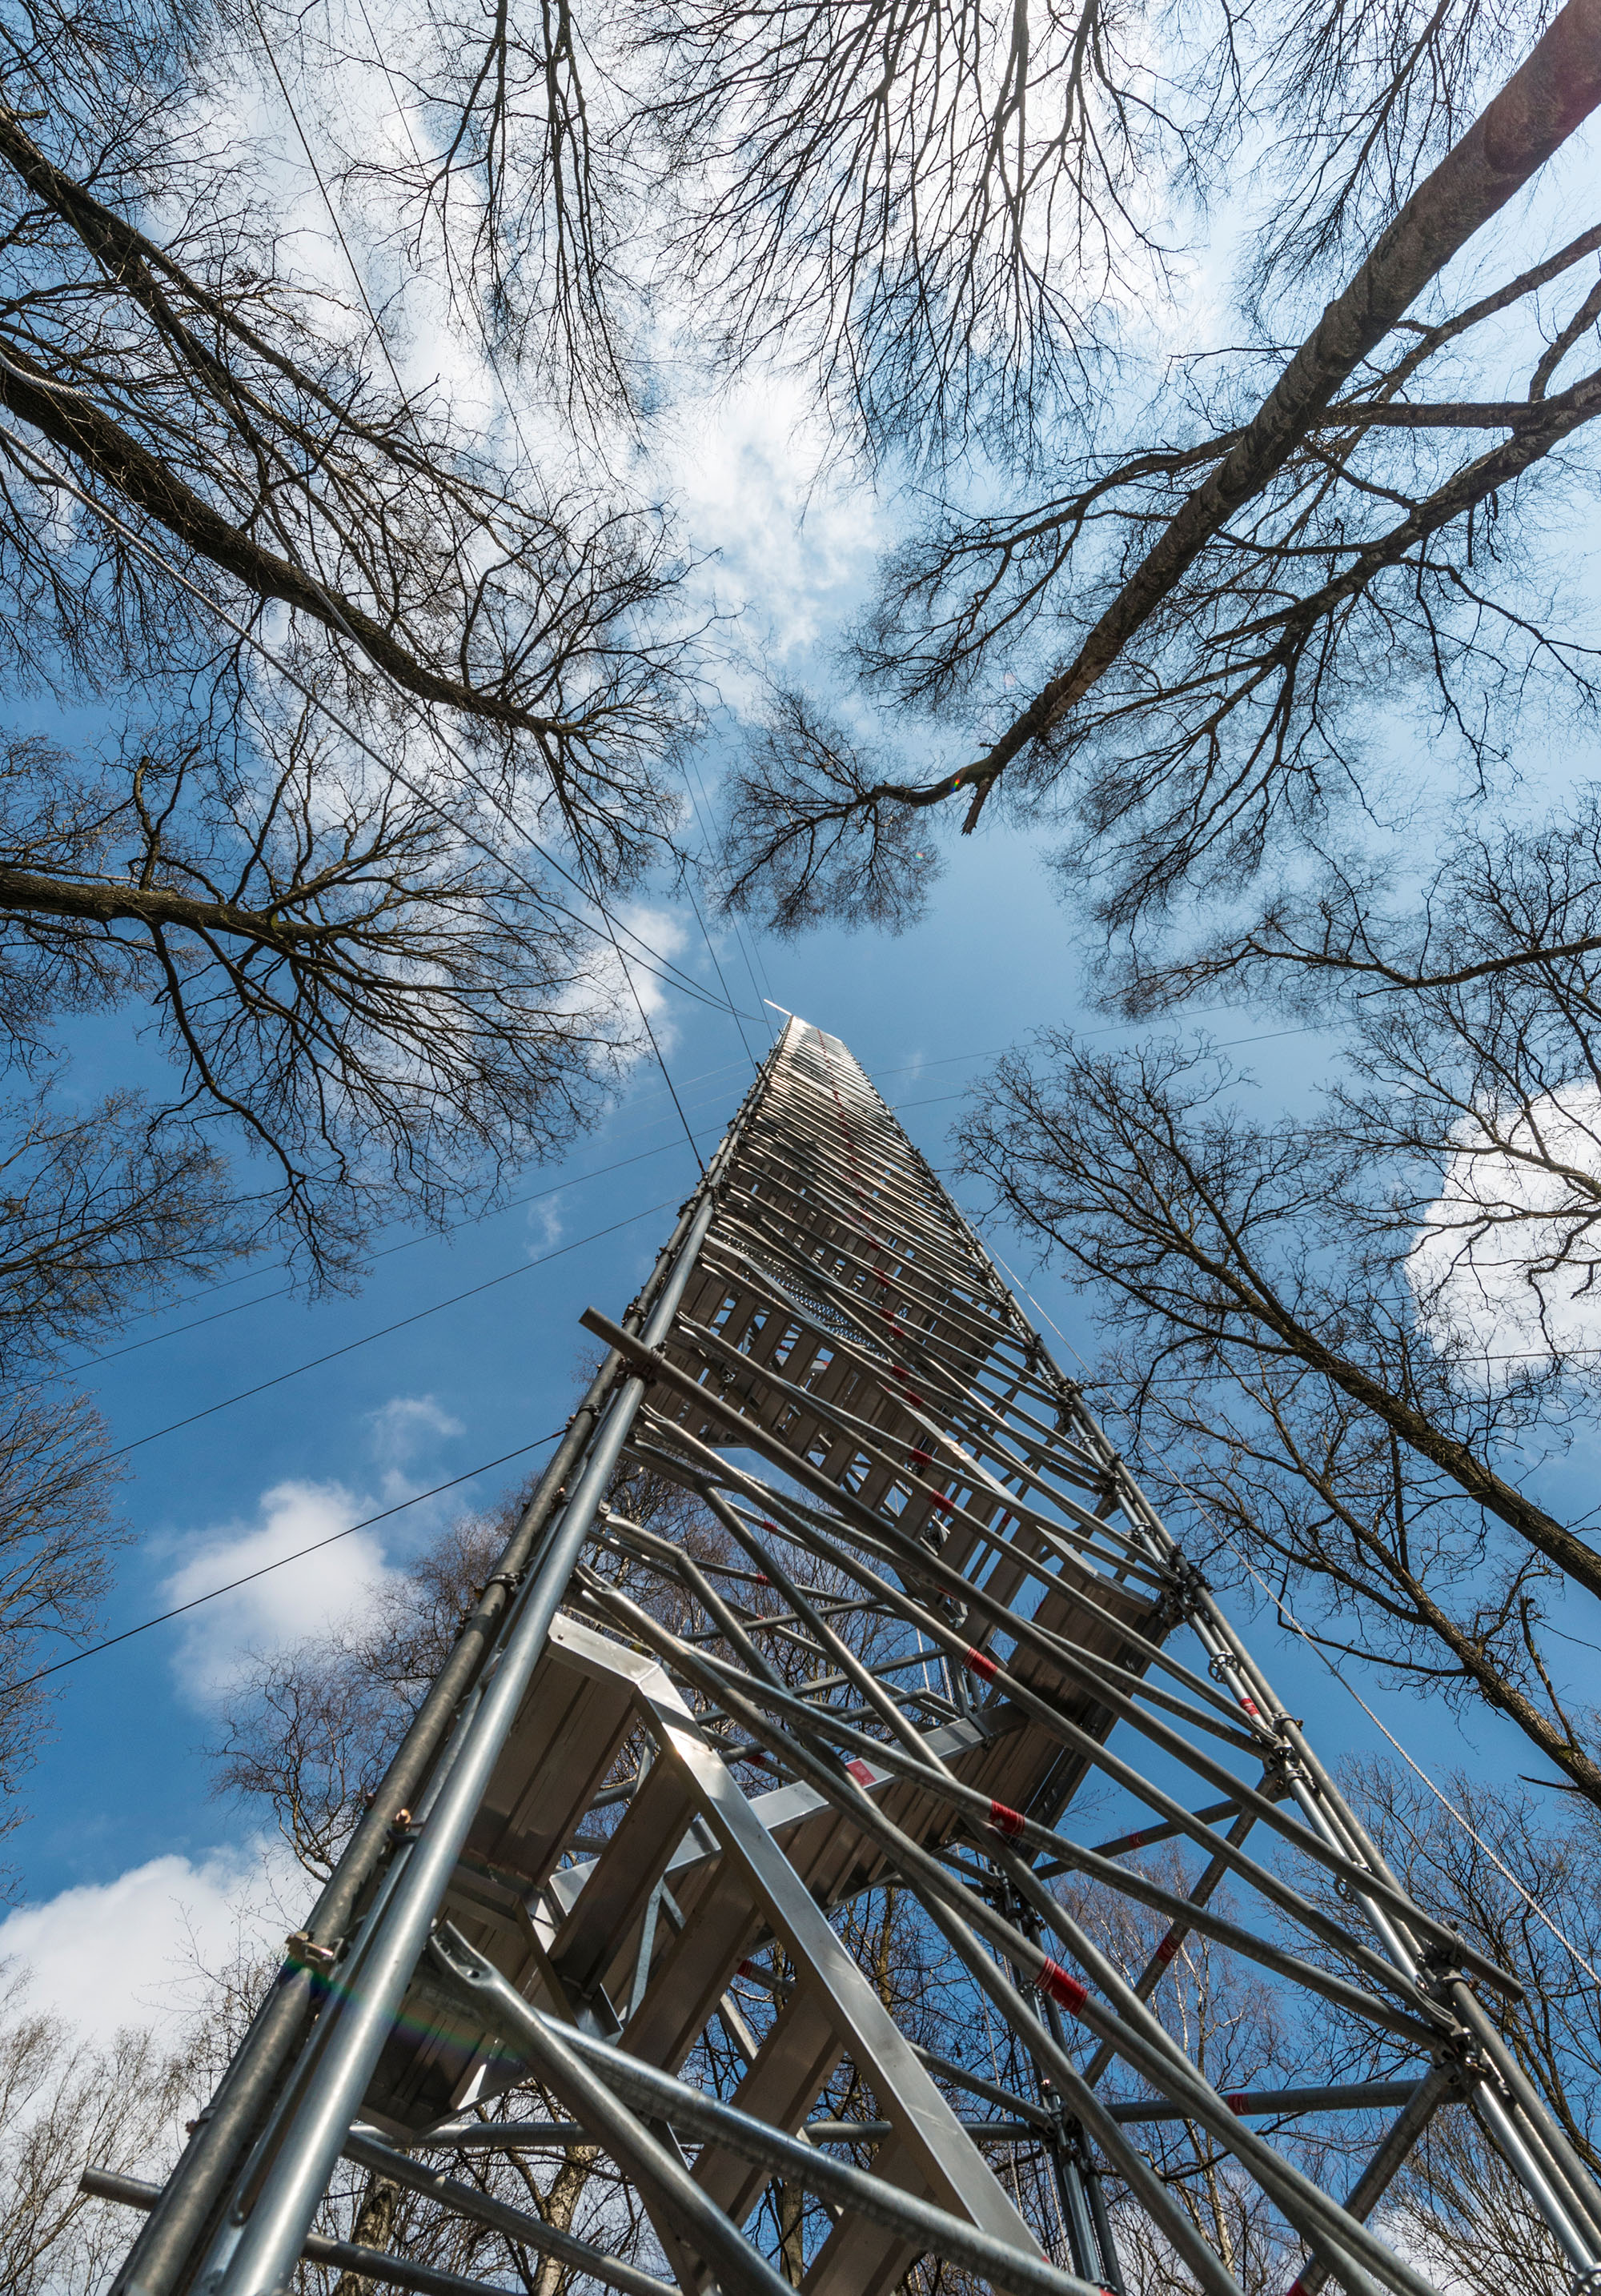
x=174 y=2236
x=270 y=2246
x=161 y=2258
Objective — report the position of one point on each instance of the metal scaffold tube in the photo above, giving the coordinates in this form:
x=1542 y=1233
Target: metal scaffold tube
x=836 y=1608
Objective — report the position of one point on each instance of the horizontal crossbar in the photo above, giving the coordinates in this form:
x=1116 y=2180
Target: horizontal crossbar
x=378 y=2264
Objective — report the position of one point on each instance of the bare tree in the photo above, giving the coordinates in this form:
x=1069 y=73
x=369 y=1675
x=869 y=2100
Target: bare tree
x=58 y=1540
x=369 y=1006
x=1304 y=1382
x=929 y=206
x=221 y=416
x=1206 y=608
x=354 y=987
x=105 y=1210
x=355 y=659
x=1508 y=1867
x=65 y=2103
x=944 y=216
x=352 y=664
x=513 y=177
x=957 y=217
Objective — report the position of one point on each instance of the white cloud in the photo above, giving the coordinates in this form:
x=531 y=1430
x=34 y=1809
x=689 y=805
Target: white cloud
x=794 y=529
x=127 y=1952
x=298 y=1599
x=1488 y=1269
x=409 y=1423
x=663 y=935
x=546 y=1223
x=406 y=1428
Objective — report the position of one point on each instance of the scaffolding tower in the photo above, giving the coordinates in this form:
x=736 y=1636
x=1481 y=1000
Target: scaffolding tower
x=928 y=1624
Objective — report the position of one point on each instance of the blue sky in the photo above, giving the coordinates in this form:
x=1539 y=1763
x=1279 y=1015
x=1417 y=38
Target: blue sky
x=127 y=1844
x=128 y=1851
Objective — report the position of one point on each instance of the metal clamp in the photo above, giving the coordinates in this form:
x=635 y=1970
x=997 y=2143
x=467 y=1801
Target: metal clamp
x=306 y=1952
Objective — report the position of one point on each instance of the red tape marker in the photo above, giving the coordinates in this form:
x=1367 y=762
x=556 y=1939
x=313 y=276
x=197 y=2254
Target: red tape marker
x=1063 y=1989
x=1006 y=1820
x=1167 y=1949
x=975 y=1661
x=1236 y=2104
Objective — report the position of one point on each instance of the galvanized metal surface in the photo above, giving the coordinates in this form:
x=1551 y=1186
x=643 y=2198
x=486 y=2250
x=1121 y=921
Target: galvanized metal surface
x=640 y=1819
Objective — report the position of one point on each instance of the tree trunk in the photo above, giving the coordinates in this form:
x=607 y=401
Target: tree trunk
x=1545 y=100
x=374 y=2227
x=791 y=2252
x=558 y=2207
